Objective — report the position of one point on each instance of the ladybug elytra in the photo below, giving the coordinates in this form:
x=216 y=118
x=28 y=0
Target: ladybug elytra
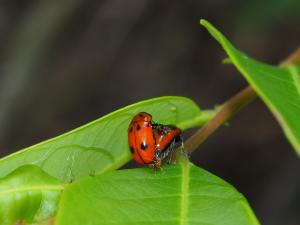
x=150 y=143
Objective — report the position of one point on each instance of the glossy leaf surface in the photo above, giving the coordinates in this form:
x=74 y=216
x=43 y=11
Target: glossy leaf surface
x=28 y=195
x=102 y=144
x=178 y=194
x=279 y=87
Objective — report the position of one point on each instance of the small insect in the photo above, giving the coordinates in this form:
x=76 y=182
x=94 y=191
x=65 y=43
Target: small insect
x=140 y=138
x=166 y=139
x=151 y=143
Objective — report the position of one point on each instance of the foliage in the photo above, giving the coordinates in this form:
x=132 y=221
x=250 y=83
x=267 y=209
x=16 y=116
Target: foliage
x=102 y=144
x=37 y=184
x=28 y=194
x=178 y=194
x=279 y=87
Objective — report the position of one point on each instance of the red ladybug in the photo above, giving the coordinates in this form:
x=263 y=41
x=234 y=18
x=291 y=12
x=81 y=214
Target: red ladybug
x=149 y=142
x=140 y=138
x=166 y=137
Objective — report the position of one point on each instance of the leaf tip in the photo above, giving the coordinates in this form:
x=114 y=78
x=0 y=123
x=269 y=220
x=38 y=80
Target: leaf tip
x=211 y=29
x=202 y=21
x=205 y=23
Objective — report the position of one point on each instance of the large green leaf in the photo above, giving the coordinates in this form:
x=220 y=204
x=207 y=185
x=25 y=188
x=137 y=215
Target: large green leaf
x=102 y=144
x=28 y=194
x=278 y=87
x=178 y=194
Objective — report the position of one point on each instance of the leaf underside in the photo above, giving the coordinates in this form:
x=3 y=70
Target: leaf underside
x=278 y=87
x=102 y=144
x=177 y=194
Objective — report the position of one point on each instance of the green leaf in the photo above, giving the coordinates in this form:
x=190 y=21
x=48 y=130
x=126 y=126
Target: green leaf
x=278 y=87
x=102 y=144
x=177 y=194
x=29 y=195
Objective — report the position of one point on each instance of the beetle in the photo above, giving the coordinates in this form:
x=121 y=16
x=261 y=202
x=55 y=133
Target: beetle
x=151 y=143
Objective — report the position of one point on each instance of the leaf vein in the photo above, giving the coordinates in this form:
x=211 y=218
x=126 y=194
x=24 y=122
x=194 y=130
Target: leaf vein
x=32 y=188
x=184 y=193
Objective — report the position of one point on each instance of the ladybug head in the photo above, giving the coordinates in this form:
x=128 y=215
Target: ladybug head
x=143 y=116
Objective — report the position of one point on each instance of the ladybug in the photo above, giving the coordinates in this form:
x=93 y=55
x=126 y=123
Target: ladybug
x=140 y=138
x=166 y=138
x=150 y=143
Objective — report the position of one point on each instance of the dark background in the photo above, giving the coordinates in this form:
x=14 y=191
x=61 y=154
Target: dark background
x=64 y=63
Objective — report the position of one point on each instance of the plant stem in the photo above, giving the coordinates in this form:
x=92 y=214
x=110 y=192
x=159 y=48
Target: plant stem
x=293 y=58
x=230 y=108
x=206 y=115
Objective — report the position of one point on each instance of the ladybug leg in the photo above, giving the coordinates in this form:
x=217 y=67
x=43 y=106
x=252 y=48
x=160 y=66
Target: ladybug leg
x=170 y=158
x=158 y=154
x=157 y=163
x=156 y=166
x=183 y=152
x=180 y=140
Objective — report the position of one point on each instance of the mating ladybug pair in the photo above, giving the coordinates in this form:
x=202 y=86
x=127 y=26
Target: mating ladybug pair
x=152 y=143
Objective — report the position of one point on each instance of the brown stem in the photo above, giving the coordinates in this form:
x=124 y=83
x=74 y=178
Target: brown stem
x=230 y=107
x=293 y=58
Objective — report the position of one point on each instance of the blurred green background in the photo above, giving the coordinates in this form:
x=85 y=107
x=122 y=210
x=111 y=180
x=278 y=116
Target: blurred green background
x=66 y=62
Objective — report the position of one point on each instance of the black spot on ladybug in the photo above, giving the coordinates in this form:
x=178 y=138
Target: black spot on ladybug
x=144 y=146
x=138 y=127
x=132 y=149
x=130 y=130
x=141 y=115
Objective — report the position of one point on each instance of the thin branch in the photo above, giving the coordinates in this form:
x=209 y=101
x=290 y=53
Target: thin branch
x=293 y=58
x=230 y=108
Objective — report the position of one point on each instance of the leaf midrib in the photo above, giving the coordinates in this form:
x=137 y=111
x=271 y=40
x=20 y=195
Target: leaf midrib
x=32 y=188
x=295 y=77
x=184 y=194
